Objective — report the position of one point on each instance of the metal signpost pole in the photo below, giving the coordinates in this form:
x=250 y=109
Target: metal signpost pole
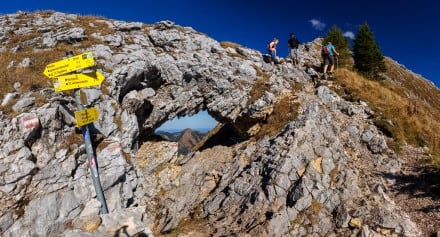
x=91 y=158
x=90 y=154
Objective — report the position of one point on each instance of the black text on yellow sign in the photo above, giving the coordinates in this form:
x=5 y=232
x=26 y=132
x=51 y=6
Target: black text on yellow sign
x=76 y=81
x=86 y=116
x=69 y=65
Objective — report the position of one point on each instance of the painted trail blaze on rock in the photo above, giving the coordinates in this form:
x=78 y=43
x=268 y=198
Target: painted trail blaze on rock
x=29 y=121
x=114 y=147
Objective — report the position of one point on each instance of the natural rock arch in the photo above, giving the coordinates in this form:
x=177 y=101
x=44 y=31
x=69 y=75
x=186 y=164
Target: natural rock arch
x=275 y=185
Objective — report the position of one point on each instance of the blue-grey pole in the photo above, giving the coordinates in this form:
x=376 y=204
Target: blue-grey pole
x=90 y=154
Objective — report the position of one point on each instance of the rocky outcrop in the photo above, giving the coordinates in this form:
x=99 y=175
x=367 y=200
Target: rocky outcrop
x=304 y=180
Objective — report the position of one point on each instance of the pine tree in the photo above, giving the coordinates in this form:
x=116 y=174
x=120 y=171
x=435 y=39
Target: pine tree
x=341 y=44
x=366 y=53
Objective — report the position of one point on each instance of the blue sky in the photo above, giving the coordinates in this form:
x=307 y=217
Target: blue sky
x=406 y=31
x=201 y=122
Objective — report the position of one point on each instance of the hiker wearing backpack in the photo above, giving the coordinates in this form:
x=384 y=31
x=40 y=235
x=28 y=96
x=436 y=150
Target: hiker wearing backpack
x=272 y=50
x=328 y=51
x=293 y=44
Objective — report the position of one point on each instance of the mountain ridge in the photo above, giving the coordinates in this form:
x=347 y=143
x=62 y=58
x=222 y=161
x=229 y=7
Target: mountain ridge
x=186 y=138
x=306 y=158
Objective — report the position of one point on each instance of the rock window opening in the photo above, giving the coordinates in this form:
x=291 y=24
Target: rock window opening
x=197 y=132
x=187 y=131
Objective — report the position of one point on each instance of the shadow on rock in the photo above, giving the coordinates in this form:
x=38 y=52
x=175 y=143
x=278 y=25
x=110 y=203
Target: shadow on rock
x=422 y=182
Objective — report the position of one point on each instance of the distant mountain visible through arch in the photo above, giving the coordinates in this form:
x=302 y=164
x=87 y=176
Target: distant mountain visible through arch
x=201 y=122
x=187 y=131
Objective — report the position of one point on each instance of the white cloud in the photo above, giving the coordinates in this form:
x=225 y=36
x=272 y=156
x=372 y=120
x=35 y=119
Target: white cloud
x=317 y=24
x=348 y=34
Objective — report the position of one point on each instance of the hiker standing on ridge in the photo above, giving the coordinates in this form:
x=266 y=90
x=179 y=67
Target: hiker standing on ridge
x=293 y=44
x=328 y=52
x=272 y=50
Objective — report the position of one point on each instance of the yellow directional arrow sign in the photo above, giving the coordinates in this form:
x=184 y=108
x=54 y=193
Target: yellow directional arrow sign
x=76 y=81
x=71 y=64
x=86 y=116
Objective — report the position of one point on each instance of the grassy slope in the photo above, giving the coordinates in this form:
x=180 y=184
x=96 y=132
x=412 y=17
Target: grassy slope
x=405 y=105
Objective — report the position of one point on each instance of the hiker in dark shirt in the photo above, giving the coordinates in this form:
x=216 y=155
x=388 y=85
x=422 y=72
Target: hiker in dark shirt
x=293 y=44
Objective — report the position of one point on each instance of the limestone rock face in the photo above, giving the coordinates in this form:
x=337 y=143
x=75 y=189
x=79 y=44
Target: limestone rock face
x=302 y=181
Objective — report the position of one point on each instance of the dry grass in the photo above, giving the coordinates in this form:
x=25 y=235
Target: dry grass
x=40 y=100
x=436 y=158
x=297 y=221
x=260 y=86
x=93 y=24
x=406 y=81
x=407 y=119
x=313 y=211
x=73 y=138
x=187 y=227
x=227 y=44
x=31 y=78
x=192 y=226
x=7 y=109
x=100 y=144
x=181 y=29
x=284 y=111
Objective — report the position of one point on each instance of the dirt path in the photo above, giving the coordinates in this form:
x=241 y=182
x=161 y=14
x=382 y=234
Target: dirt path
x=417 y=190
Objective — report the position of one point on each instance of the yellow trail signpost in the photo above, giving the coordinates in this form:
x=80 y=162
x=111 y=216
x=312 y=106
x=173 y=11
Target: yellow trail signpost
x=86 y=116
x=76 y=81
x=68 y=65
x=65 y=76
